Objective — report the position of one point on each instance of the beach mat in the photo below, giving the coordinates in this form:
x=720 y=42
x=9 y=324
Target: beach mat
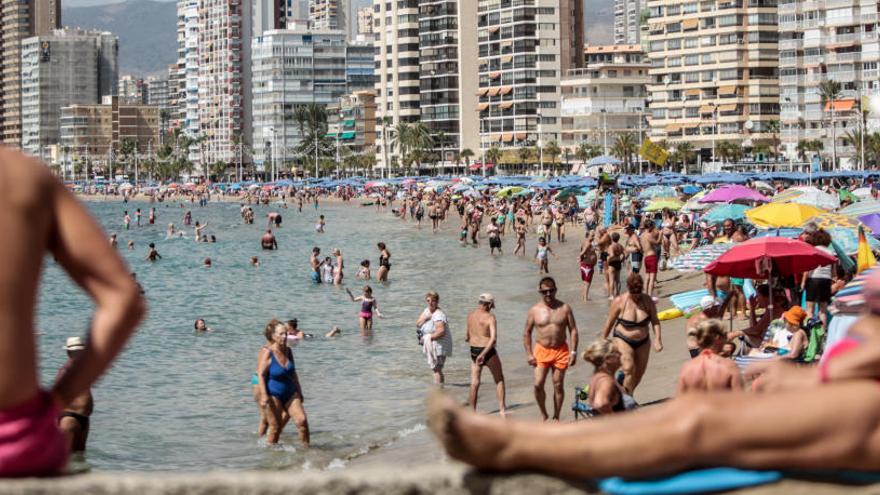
x=724 y=479
x=686 y=301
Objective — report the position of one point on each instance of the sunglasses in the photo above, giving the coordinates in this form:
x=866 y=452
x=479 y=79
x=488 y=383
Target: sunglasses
x=547 y=291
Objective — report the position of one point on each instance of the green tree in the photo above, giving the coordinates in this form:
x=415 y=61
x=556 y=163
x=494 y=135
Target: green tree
x=552 y=151
x=773 y=129
x=624 y=147
x=466 y=155
x=684 y=153
x=830 y=91
x=493 y=155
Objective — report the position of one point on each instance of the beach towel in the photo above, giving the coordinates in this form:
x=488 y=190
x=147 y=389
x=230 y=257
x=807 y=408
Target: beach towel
x=724 y=479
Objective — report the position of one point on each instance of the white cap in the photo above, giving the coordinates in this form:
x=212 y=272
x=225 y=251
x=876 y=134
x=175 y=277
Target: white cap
x=74 y=344
x=707 y=302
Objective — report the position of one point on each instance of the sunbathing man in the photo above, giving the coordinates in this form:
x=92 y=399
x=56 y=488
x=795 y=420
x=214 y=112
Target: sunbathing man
x=553 y=321
x=792 y=427
x=39 y=216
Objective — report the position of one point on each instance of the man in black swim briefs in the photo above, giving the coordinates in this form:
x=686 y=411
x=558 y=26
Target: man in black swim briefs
x=74 y=419
x=482 y=335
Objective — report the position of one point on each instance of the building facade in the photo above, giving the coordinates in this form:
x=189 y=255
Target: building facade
x=628 y=21
x=360 y=73
x=826 y=41
x=132 y=90
x=524 y=51
x=396 y=35
x=331 y=15
x=158 y=92
x=449 y=75
x=64 y=68
x=92 y=131
x=282 y=82
x=714 y=72
x=606 y=98
x=365 y=21
x=351 y=120
x=19 y=19
x=221 y=105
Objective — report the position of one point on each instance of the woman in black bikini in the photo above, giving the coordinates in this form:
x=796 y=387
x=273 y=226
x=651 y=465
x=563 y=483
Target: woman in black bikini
x=384 y=263
x=628 y=321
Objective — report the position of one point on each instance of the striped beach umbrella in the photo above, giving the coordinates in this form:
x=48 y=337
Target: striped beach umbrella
x=827 y=220
x=699 y=258
x=865 y=207
x=658 y=192
x=850 y=299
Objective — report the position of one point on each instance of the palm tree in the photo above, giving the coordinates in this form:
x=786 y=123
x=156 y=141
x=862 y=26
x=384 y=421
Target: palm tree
x=422 y=143
x=493 y=155
x=773 y=129
x=624 y=148
x=684 y=151
x=401 y=139
x=552 y=151
x=525 y=155
x=456 y=159
x=830 y=91
x=466 y=155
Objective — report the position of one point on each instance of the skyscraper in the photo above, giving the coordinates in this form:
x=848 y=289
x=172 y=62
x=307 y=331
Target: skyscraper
x=627 y=21
x=333 y=15
x=818 y=42
x=19 y=19
x=448 y=75
x=524 y=51
x=66 y=67
x=365 y=21
x=714 y=72
x=397 y=69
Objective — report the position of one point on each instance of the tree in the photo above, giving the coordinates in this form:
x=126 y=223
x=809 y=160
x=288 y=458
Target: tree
x=624 y=148
x=830 y=91
x=552 y=151
x=684 y=153
x=525 y=155
x=773 y=129
x=466 y=155
x=217 y=169
x=401 y=139
x=493 y=155
x=586 y=152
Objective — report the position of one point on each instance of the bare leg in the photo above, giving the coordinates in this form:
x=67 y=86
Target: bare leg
x=558 y=392
x=642 y=355
x=787 y=430
x=475 y=385
x=627 y=363
x=263 y=425
x=363 y=325
x=298 y=414
x=494 y=365
x=276 y=423
x=540 y=395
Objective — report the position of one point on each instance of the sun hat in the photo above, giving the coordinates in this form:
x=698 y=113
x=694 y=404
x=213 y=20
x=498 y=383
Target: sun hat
x=74 y=344
x=795 y=315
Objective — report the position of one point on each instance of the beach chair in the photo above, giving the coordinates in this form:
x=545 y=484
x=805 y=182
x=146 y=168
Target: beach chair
x=580 y=407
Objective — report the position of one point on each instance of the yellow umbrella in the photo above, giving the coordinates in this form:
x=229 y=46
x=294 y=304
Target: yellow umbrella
x=829 y=220
x=664 y=204
x=782 y=215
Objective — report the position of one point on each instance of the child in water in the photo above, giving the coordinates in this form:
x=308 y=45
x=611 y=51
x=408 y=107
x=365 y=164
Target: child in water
x=327 y=271
x=369 y=305
x=364 y=271
x=542 y=254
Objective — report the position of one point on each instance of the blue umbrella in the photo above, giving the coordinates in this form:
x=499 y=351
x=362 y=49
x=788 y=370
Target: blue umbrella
x=604 y=160
x=691 y=189
x=721 y=213
x=658 y=192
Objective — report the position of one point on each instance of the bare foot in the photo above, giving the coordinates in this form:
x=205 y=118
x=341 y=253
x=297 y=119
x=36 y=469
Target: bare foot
x=466 y=436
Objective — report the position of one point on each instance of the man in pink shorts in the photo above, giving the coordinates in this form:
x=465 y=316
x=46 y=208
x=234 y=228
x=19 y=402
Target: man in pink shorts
x=39 y=216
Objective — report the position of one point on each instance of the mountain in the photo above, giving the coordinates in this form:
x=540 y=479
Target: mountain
x=599 y=21
x=147 y=32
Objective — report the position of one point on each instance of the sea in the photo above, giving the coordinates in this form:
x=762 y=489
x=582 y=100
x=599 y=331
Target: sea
x=176 y=400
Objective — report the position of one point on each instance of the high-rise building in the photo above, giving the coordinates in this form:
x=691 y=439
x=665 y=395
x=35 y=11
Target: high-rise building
x=269 y=15
x=333 y=15
x=826 y=41
x=19 y=19
x=628 y=21
x=449 y=75
x=281 y=83
x=524 y=51
x=352 y=120
x=714 y=72
x=396 y=28
x=365 y=21
x=94 y=130
x=360 y=71
x=158 y=92
x=606 y=98
x=66 y=67
x=187 y=87
x=222 y=106
x=132 y=90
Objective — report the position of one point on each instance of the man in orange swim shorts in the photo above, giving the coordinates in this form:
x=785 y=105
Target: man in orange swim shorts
x=552 y=321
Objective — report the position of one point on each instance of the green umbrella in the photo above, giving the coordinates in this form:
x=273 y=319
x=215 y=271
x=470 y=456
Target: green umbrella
x=508 y=192
x=567 y=193
x=845 y=195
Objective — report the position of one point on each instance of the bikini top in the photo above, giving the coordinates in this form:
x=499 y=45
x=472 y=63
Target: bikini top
x=629 y=324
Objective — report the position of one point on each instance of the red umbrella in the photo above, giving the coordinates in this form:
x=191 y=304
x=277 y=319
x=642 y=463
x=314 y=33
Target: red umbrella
x=760 y=258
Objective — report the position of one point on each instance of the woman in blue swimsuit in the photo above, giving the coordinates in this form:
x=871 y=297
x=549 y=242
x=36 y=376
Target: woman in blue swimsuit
x=279 y=385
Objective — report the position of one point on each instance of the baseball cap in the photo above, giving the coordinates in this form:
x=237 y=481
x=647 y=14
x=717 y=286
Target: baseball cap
x=487 y=298
x=707 y=302
x=74 y=344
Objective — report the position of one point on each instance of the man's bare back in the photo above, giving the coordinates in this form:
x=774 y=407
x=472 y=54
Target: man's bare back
x=38 y=215
x=709 y=372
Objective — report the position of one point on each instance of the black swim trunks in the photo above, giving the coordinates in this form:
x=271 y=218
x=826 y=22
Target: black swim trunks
x=476 y=351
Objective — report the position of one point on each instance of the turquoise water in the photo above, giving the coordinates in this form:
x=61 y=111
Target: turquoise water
x=180 y=401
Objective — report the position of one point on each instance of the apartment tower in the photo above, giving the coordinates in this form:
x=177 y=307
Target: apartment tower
x=714 y=72
x=525 y=48
x=331 y=15
x=19 y=19
x=826 y=41
x=627 y=21
x=396 y=32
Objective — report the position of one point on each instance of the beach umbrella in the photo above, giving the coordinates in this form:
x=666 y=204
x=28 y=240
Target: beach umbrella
x=470 y=193
x=700 y=258
x=768 y=256
x=721 y=213
x=808 y=196
x=848 y=239
x=604 y=160
x=781 y=215
x=524 y=192
x=664 y=204
x=845 y=195
x=872 y=221
x=735 y=192
x=864 y=256
x=828 y=220
x=508 y=191
x=763 y=186
x=691 y=189
x=851 y=299
x=862 y=193
x=370 y=185
x=658 y=192
x=865 y=207
x=568 y=192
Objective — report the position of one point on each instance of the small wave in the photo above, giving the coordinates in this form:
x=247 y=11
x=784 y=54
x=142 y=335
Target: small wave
x=336 y=464
x=409 y=431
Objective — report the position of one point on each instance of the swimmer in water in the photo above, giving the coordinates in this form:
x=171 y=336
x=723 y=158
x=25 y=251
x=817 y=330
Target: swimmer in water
x=200 y=326
x=319 y=226
x=268 y=241
x=113 y=242
x=369 y=306
x=255 y=261
x=364 y=271
x=170 y=232
x=131 y=245
x=153 y=254
x=315 y=265
x=274 y=218
x=334 y=332
x=207 y=263
x=198 y=232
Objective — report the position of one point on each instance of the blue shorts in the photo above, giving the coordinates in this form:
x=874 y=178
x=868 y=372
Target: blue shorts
x=316 y=277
